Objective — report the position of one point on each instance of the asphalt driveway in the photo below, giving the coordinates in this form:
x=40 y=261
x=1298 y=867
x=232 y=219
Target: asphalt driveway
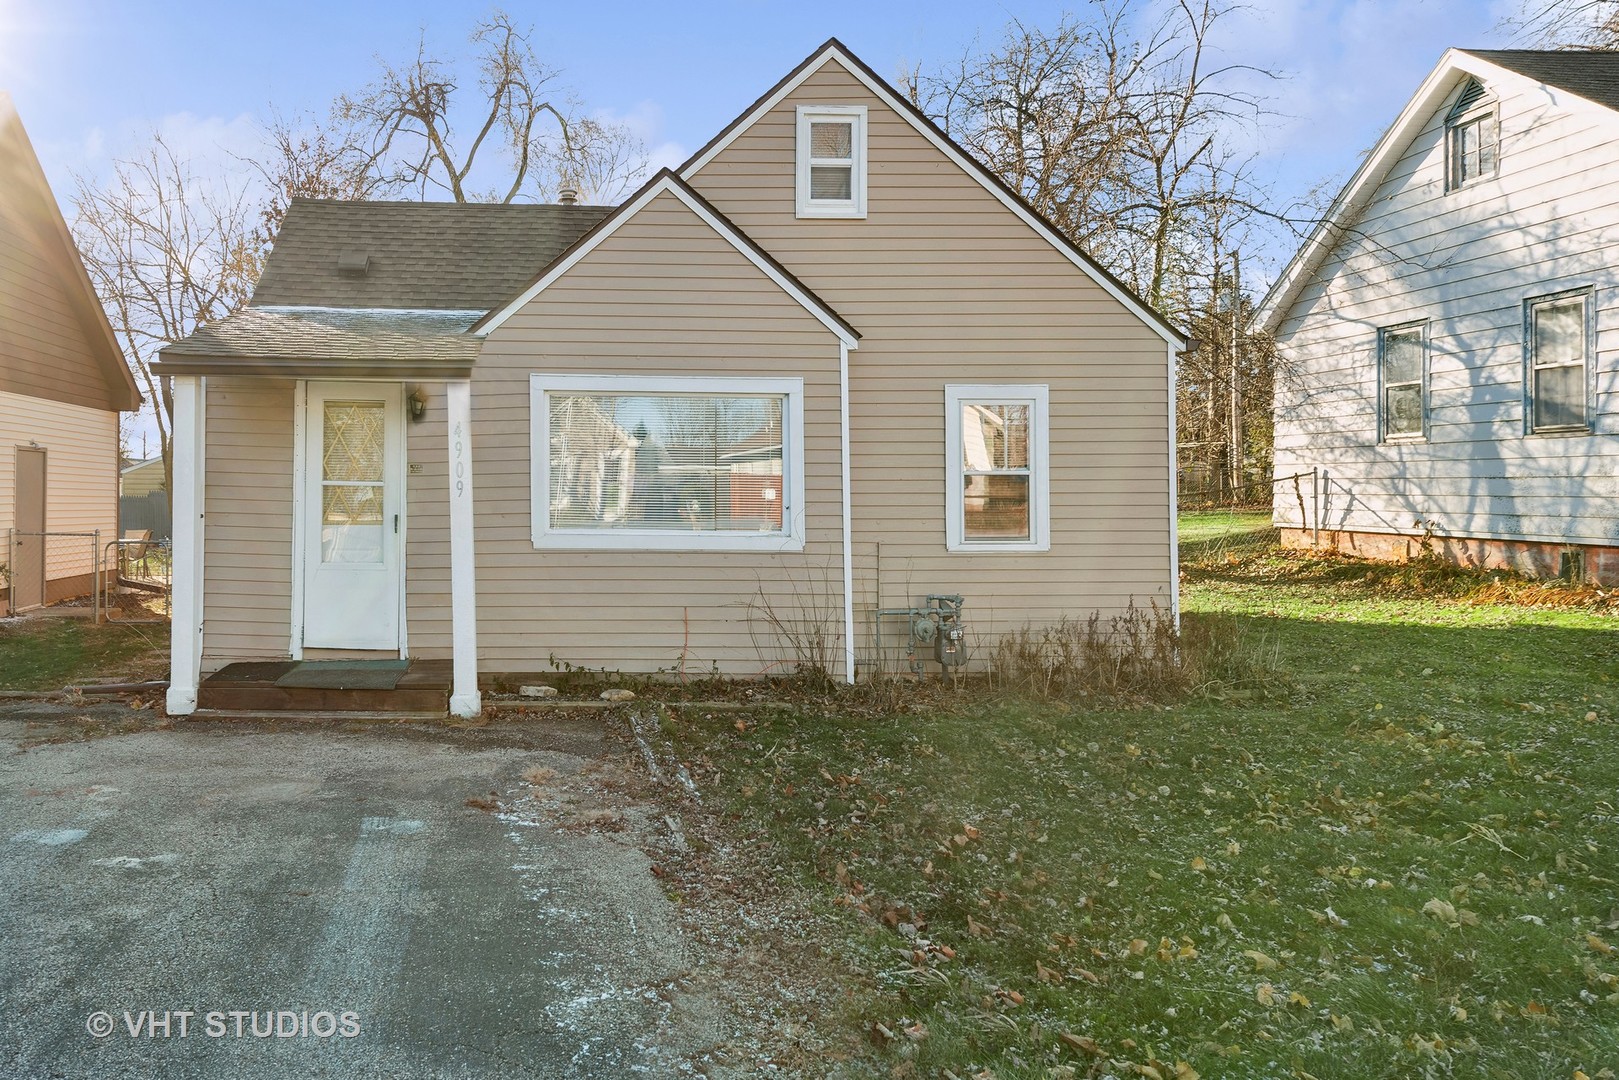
x=323 y=901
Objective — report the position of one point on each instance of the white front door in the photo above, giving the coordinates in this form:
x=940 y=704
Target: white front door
x=353 y=515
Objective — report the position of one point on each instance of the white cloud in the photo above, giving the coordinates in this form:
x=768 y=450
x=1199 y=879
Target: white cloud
x=645 y=120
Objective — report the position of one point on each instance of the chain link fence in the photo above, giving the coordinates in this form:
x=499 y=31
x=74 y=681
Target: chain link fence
x=76 y=574
x=136 y=578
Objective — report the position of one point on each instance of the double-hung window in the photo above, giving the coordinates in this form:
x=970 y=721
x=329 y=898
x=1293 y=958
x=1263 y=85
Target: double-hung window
x=997 y=462
x=1403 y=373
x=1559 y=342
x=831 y=161
x=1472 y=137
x=672 y=464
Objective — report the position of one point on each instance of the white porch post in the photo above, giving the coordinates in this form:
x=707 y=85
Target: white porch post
x=185 y=633
x=464 y=697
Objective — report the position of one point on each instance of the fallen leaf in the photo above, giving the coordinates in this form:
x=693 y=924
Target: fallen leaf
x=1199 y=865
x=1341 y=1023
x=1598 y=945
x=1261 y=961
x=1083 y=1043
x=1442 y=910
x=1265 y=994
x=1184 y=1071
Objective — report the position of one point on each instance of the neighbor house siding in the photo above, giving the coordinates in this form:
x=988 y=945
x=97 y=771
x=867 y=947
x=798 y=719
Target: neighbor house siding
x=663 y=296
x=1465 y=261
x=81 y=476
x=45 y=349
x=947 y=285
x=247 y=520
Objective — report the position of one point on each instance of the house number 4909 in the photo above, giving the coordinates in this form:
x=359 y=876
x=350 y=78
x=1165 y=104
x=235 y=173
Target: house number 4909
x=458 y=450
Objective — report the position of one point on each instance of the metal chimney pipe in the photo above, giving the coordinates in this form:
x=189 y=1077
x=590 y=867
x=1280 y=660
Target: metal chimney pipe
x=568 y=196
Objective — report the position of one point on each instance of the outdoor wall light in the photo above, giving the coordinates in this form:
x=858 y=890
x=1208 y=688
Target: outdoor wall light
x=417 y=404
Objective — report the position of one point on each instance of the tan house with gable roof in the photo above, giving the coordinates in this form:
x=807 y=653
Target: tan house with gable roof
x=63 y=382
x=830 y=364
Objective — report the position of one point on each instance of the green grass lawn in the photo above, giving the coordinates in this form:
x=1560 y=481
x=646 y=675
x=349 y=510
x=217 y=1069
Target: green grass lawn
x=43 y=653
x=1405 y=866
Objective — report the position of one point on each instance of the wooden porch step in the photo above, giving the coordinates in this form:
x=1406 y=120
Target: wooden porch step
x=424 y=688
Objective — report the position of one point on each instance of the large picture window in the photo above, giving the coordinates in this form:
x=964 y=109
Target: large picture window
x=667 y=463
x=1559 y=346
x=1403 y=371
x=996 y=446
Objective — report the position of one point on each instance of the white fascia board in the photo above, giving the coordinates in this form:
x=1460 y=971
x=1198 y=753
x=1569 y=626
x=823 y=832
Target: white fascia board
x=668 y=185
x=970 y=168
x=1453 y=66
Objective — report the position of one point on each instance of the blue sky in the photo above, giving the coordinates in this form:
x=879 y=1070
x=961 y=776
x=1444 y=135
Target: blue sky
x=90 y=77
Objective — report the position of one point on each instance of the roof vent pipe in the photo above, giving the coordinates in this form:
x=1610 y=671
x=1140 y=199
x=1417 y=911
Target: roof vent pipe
x=568 y=196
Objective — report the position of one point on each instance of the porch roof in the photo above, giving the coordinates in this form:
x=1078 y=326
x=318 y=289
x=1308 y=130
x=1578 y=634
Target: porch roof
x=309 y=341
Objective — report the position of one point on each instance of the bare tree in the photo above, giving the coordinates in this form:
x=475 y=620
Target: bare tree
x=1117 y=138
x=1566 y=24
x=307 y=160
x=168 y=252
x=418 y=133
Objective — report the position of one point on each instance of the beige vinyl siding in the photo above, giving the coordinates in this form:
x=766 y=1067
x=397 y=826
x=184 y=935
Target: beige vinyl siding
x=81 y=475
x=142 y=479
x=45 y=320
x=947 y=285
x=427 y=528
x=664 y=295
x=248 y=535
x=1465 y=261
x=247 y=516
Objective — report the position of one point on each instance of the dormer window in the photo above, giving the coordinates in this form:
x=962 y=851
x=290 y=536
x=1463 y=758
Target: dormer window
x=832 y=161
x=1472 y=137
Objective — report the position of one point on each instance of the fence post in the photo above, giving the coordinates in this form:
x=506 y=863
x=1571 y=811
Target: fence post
x=1315 y=505
x=95 y=577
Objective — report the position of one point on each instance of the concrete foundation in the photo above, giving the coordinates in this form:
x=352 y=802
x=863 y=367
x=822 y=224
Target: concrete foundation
x=1531 y=558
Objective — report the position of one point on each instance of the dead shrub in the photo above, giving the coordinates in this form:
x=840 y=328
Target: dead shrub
x=1138 y=655
x=540 y=775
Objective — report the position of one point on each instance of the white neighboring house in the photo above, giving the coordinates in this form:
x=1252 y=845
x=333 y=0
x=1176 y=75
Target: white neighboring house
x=1452 y=328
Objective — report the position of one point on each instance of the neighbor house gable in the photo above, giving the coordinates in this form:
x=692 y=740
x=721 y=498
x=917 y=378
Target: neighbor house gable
x=1436 y=96
x=55 y=341
x=834 y=54
x=667 y=184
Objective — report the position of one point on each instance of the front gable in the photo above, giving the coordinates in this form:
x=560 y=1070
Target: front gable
x=915 y=175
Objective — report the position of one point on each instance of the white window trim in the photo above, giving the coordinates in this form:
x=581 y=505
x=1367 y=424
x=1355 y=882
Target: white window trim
x=1038 y=397
x=855 y=206
x=1486 y=109
x=791 y=538
x=1383 y=385
x=1587 y=297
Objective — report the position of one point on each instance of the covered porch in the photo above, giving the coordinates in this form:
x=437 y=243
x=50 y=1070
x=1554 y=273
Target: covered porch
x=297 y=479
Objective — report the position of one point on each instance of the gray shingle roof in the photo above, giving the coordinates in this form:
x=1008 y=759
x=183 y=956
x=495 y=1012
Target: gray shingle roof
x=422 y=255
x=335 y=334
x=1592 y=75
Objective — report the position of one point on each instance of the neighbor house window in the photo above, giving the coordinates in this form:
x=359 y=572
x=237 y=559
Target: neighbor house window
x=998 y=490
x=1472 y=137
x=1558 y=334
x=1403 y=372
x=832 y=161
x=667 y=463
